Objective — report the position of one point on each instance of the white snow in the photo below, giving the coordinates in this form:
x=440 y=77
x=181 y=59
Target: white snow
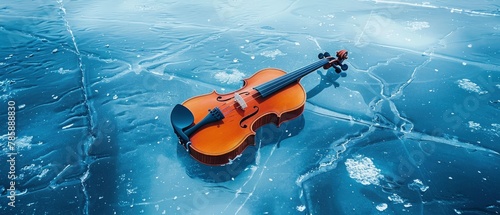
x=381 y=207
x=235 y=76
x=363 y=170
x=470 y=86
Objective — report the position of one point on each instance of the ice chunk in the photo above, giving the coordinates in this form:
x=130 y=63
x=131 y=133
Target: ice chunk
x=363 y=170
x=418 y=185
x=301 y=208
x=470 y=86
x=229 y=78
x=272 y=54
x=415 y=26
x=23 y=142
x=381 y=207
x=396 y=198
x=474 y=125
x=68 y=126
x=43 y=173
x=63 y=71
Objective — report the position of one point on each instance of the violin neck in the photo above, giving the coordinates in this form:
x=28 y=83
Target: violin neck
x=281 y=82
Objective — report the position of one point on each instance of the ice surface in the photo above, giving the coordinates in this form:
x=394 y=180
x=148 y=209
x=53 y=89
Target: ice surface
x=412 y=127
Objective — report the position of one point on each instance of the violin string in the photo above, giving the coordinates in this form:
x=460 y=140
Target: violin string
x=273 y=86
x=295 y=75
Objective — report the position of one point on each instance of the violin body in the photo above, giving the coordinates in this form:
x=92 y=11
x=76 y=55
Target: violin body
x=218 y=142
x=216 y=128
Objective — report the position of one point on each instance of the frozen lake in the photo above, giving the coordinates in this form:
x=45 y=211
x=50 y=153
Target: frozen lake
x=413 y=127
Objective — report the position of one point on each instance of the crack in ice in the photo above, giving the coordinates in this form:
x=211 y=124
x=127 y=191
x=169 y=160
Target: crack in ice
x=258 y=180
x=428 y=5
x=254 y=169
x=341 y=146
x=86 y=159
x=452 y=142
x=364 y=29
x=80 y=65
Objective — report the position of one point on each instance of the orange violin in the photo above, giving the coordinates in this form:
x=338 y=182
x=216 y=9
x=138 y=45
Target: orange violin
x=215 y=128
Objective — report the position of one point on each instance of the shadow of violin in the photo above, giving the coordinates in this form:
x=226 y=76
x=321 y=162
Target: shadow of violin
x=327 y=80
x=266 y=135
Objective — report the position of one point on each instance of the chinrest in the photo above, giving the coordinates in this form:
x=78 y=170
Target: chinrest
x=181 y=118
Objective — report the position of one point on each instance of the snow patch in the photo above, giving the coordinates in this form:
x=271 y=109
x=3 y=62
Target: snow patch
x=474 y=125
x=272 y=53
x=24 y=142
x=20 y=142
x=301 y=208
x=363 y=170
x=63 y=71
x=381 y=207
x=43 y=173
x=396 y=199
x=33 y=170
x=29 y=170
x=235 y=76
x=5 y=88
x=470 y=86
x=416 y=26
x=418 y=185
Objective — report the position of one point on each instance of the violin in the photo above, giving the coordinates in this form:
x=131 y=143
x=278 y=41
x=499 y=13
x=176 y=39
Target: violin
x=216 y=128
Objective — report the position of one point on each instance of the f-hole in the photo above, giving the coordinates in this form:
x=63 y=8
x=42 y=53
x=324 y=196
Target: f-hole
x=248 y=116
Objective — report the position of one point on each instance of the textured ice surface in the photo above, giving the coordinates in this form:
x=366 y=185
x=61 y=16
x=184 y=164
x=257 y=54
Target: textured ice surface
x=412 y=127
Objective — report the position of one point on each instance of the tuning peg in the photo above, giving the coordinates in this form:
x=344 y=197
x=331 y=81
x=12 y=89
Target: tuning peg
x=326 y=54
x=337 y=70
x=344 y=67
x=321 y=56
